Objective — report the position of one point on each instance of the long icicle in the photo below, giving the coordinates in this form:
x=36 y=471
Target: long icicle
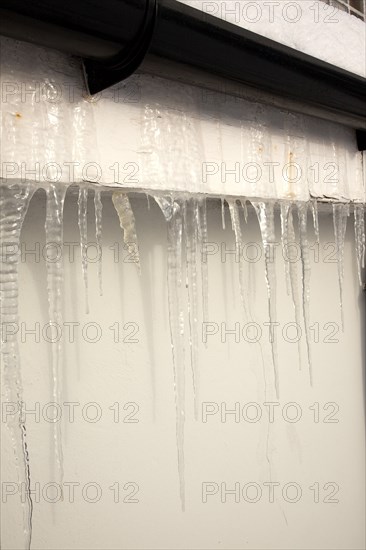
x=314 y=209
x=127 y=221
x=55 y=282
x=203 y=240
x=288 y=240
x=340 y=216
x=285 y=209
x=14 y=202
x=191 y=239
x=83 y=230
x=302 y=210
x=235 y=224
x=359 y=225
x=244 y=206
x=265 y=213
x=223 y=213
x=173 y=216
x=98 y=208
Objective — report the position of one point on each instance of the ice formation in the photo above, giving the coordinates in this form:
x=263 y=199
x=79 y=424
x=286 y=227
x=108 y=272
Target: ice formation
x=55 y=282
x=14 y=202
x=187 y=275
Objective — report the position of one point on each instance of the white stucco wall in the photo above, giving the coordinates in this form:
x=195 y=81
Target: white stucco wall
x=328 y=449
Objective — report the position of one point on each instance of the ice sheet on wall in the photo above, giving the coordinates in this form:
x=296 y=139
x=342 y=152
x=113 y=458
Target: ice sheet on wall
x=155 y=134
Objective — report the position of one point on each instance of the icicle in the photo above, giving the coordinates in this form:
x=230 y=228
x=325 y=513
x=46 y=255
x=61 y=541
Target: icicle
x=285 y=209
x=83 y=230
x=302 y=210
x=223 y=213
x=176 y=319
x=167 y=205
x=359 y=220
x=235 y=224
x=191 y=238
x=288 y=239
x=203 y=239
x=127 y=221
x=314 y=209
x=14 y=202
x=98 y=207
x=340 y=215
x=265 y=213
x=243 y=203
x=148 y=200
x=55 y=281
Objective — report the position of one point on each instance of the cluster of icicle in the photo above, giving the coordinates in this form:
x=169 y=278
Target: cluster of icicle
x=186 y=219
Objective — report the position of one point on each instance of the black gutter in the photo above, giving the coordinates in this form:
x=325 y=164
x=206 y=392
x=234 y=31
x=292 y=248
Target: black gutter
x=114 y=37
